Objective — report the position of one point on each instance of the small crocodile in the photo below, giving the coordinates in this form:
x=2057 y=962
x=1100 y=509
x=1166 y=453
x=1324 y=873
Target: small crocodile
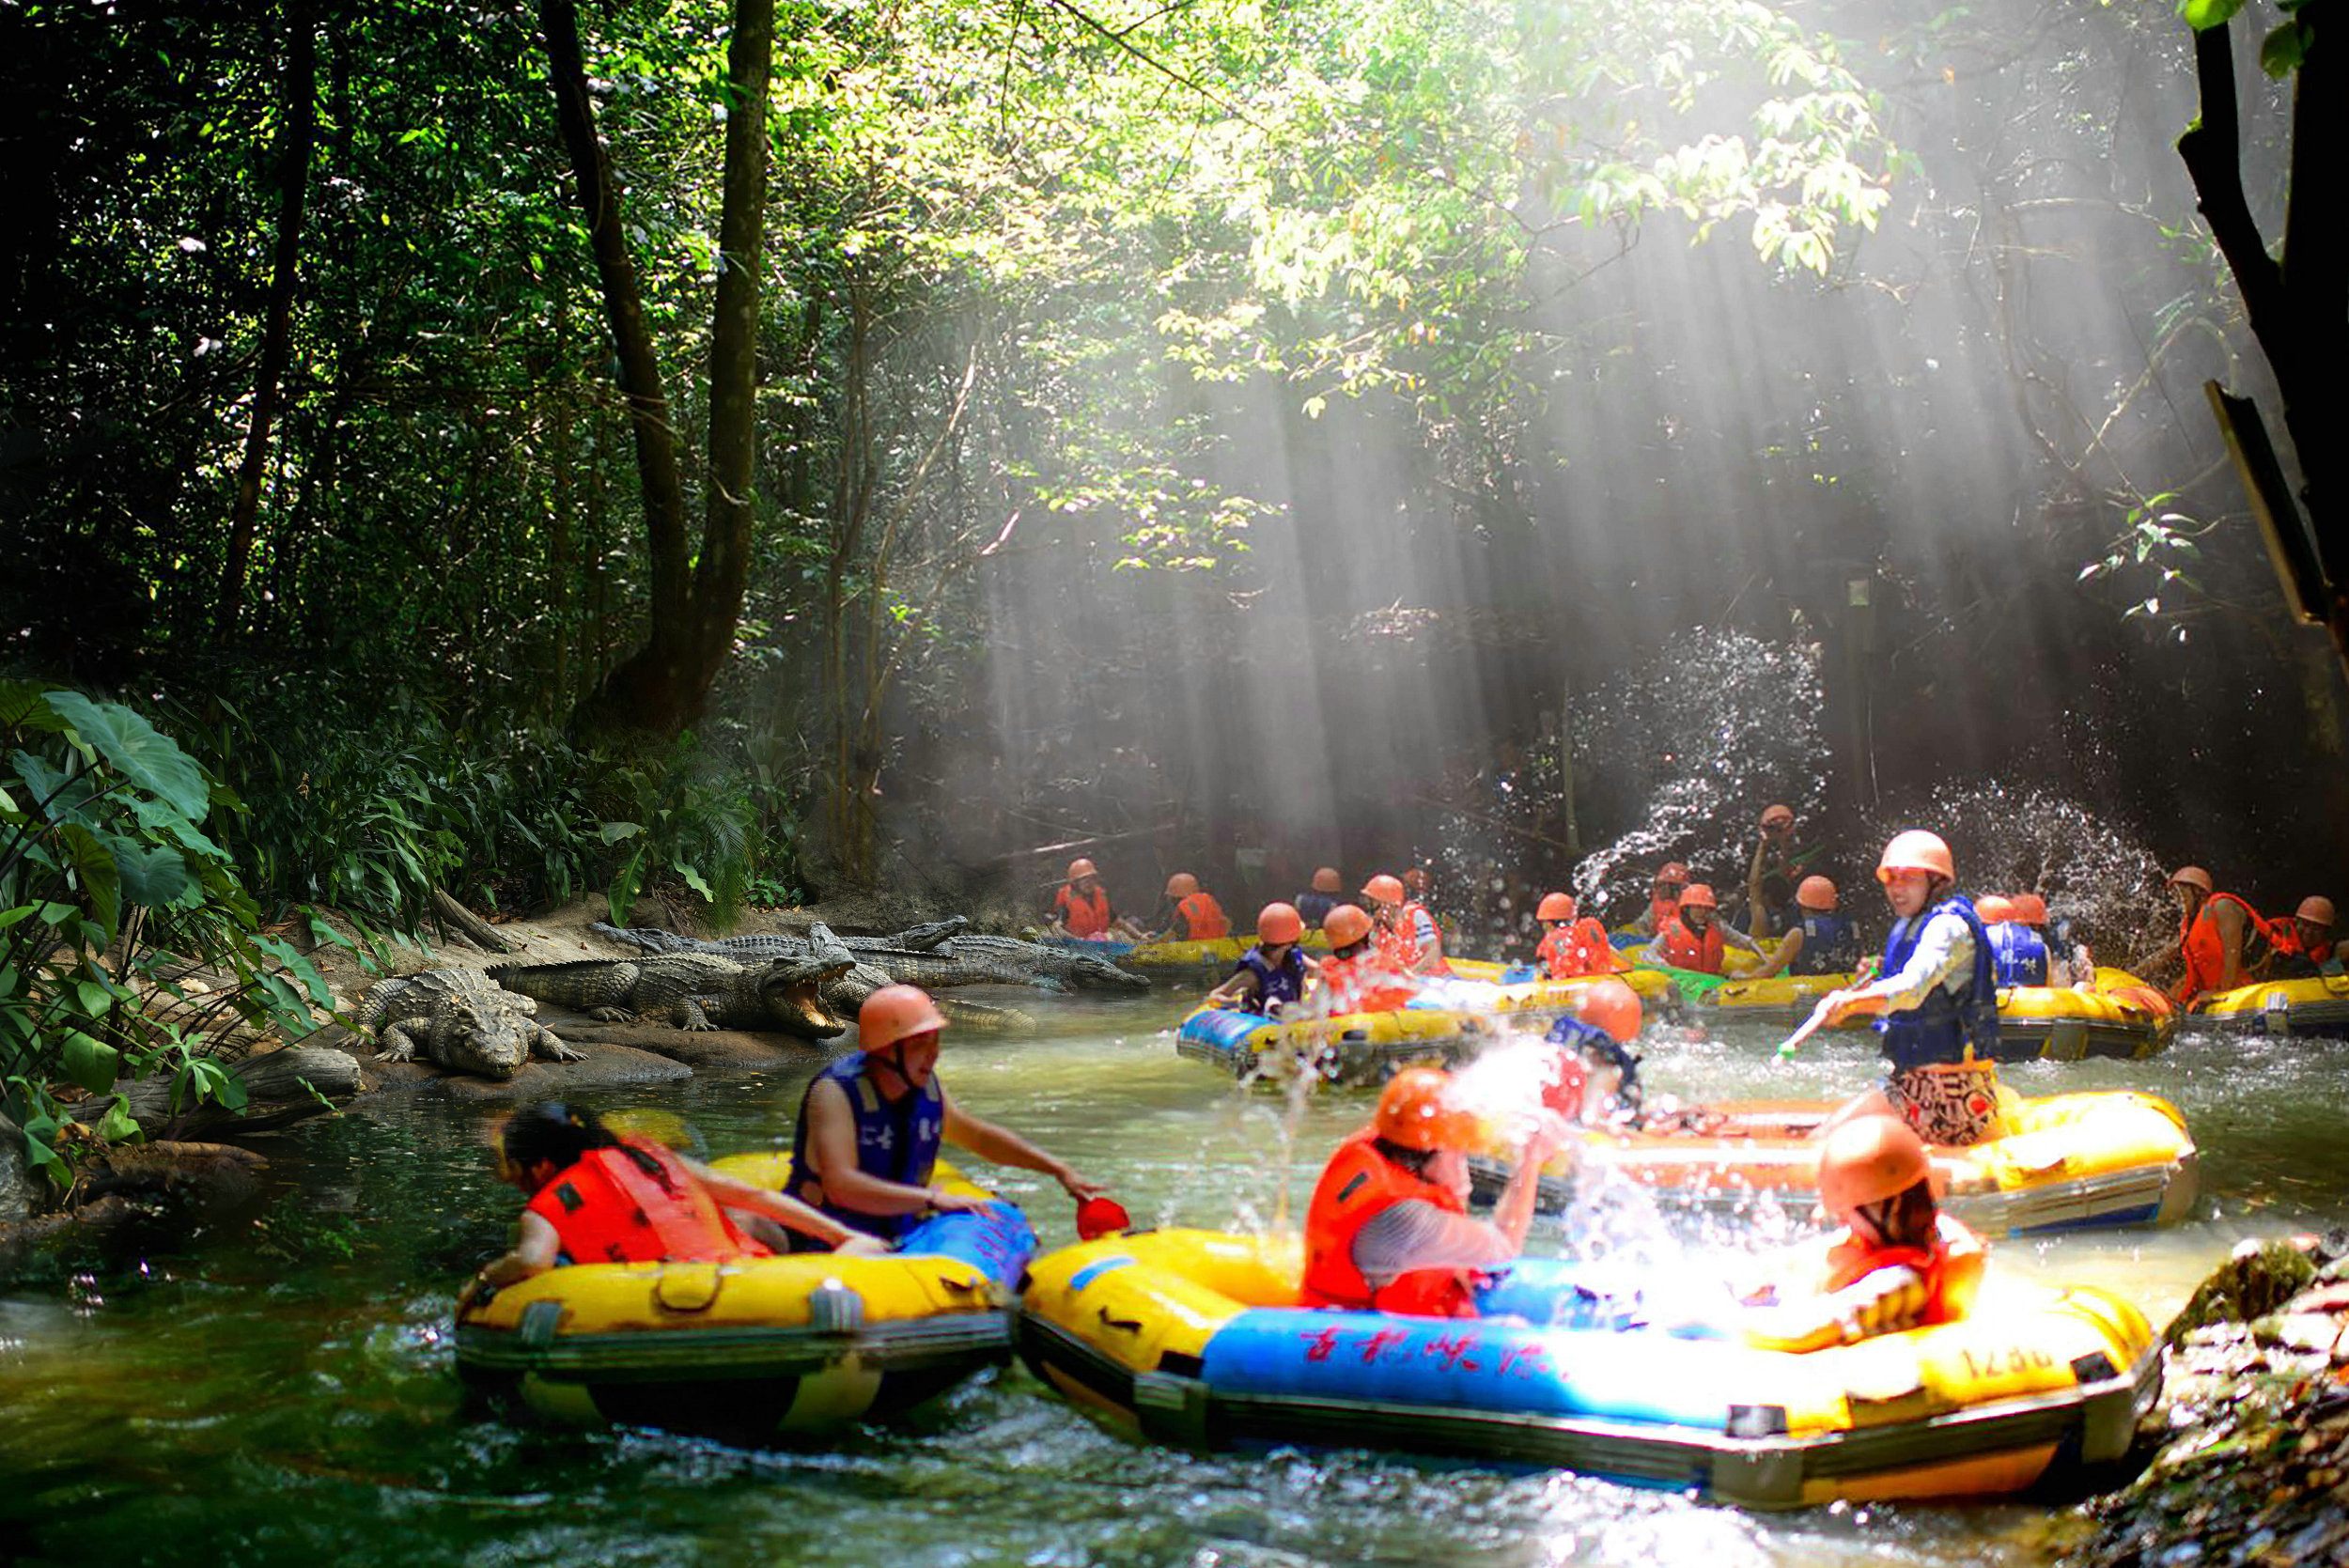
x=457 y=1020
x=933 y=957
x=692 y=990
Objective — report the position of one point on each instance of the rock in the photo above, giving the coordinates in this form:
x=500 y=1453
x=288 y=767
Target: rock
x=2257 y=1280
x=16 y=1187
x=700 y=1049
x=605 y=1066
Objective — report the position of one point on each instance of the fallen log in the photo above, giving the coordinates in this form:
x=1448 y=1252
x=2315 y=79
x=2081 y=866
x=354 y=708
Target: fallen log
x=477 y=931
x=280 y=1087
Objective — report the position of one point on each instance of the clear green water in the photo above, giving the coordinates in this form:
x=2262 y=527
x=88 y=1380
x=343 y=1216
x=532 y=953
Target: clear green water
x=278 y=1388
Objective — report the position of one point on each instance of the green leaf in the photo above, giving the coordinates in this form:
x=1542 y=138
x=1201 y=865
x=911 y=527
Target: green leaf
x=9 y=917
x=2284 y=48
x=694 y=879
x=88 y=1062
x=25 y=704
x=151 y=875
x=2202 y=15
x=101 y=878
x=614 y=831
x=143 y=753
x=118 y=1126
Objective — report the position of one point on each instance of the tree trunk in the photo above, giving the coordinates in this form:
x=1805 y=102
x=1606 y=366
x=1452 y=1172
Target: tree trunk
x=293 y=183
x=660 y=688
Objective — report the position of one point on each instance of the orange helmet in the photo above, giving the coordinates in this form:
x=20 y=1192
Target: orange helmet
x=1916 y=851
x=2315 y=909
x=1612 y=1005
x=2190 y=875
x=1991 y=909
x=1418 y=1112
x=1326 y=880
x=1697 y=896
x=1868 y=1159
x=1556 y=906
x=1778 y=813
x=1081 y=868
x=1181 y=885
x=896 y=1013
x=1385 y=889
x=1346 y=924
x=1672 y=871
x=1816 y=893
x=2029 y=908
x=1279 y=922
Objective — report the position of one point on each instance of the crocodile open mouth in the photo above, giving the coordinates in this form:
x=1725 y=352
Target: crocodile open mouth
x=798 y=1005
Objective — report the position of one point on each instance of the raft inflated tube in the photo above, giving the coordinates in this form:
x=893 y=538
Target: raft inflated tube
x=2118 y=1015
x=1192 y=1338
x=1347 y=1048
x=2109 y=1158
x=2313 y=1005
x=1215 y=953
x=752 y=1348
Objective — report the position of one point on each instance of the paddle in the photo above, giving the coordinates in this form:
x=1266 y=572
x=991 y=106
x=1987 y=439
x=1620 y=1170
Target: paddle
x=1100 y=1217
x=1812 y=1025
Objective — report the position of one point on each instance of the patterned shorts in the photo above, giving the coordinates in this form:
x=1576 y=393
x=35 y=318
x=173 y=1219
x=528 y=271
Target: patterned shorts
x=1953 y=1103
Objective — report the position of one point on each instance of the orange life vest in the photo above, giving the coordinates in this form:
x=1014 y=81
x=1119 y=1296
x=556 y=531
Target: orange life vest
x=1085 y=915
x=1203 y=918
x=2205 y=950
x=1580 y=949
x=1684 y=949
x=1364 y=984
x=607 y=1208
x=1358 y=1184
x=1412 y=915
x=1951 y=1266
x=1660 y=911
x=1398 y=943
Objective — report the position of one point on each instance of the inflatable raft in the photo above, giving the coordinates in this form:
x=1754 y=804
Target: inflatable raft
x=1192 y=1338
x=1349 y=1048
x=1216 y=956
x=2117 y=1016
x=2103 y=1159
x=2318 y=1004
x=758 y=1348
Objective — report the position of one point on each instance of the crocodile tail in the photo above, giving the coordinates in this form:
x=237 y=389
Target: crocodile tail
x=645 y=939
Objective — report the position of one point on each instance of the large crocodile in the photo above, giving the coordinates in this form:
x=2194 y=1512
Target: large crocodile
x=458 y=1020
x=933 y=957
x=693 y=991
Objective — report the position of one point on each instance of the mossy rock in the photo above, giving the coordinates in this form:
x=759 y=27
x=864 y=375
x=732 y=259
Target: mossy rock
x=2254 y=1282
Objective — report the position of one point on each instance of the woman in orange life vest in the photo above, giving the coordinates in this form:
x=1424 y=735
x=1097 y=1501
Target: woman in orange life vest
x=597 y=1197
x=1198 y=918
x=1694 y=936
x=2221 y=938
x=1899 y=1263
x=1080 y=909
x=1575 y=944
x=2306 y=947
x=1407 y=936
x=1387 y=1228
x=1663 y=898
x=1356 y=977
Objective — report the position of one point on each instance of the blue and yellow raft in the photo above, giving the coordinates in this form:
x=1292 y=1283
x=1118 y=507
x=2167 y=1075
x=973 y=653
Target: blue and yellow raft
x=1193 y=1338
x=2315 y=1005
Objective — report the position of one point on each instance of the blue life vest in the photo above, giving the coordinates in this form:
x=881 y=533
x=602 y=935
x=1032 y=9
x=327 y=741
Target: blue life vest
x=2018 y=956
x=1315 y=908
x=1939 y=1028
x=896 y=1142
x=1282 y=983
x=1831 y=944
x=1573 y=1033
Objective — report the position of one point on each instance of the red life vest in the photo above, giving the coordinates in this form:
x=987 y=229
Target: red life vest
x=1085 y=915
x=1684 y=949
x=2205 y=950
x=607 y=1208
x=1364 y=984
x=1358 y=1184
x=1203 y=918
x=1951 y=1268
x=1660 y=911
x=1412 y=915
x=1580 y=949
x=1398 y=943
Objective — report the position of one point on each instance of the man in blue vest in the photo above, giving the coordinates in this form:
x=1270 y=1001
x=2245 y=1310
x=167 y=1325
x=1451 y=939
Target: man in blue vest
x=1937 y=1005
x=870 y=1126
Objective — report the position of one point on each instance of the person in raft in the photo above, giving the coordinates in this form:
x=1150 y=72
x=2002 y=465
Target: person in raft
x=1695 y=937
x=598 y=1197
x=1663 y=899
x=1898 y=1263
x=1080 y=909
x=1407 y=936
x=2029 y=913
x=1772 y=879
x=1820 y=941
x=1271 y=975
x=1356 y=977
x=2222 y=941
x=1936 y=1003
x=1573 y=943
x=2307 y=947
x=1594 y=1076
x=2018 y=956
x=871 y=1123
x=1197 y=917
x=1314 y=905
x=1389 y=1230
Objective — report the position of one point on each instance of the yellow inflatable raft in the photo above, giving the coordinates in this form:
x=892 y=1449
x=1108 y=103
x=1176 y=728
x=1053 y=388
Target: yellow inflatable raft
x=2317 y=1004
x=1193 y=1338
x=1349 y=1047
x=1217 y=954
x=2117 y=1016
x=2107 y=1159
x=750 y=1350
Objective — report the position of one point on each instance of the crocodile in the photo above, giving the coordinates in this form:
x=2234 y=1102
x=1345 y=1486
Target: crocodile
x=693 y=991
x=457 y=1020
x=933 y=957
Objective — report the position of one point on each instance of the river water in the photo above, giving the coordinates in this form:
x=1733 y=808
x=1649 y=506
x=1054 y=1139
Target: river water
x=279 y=1387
